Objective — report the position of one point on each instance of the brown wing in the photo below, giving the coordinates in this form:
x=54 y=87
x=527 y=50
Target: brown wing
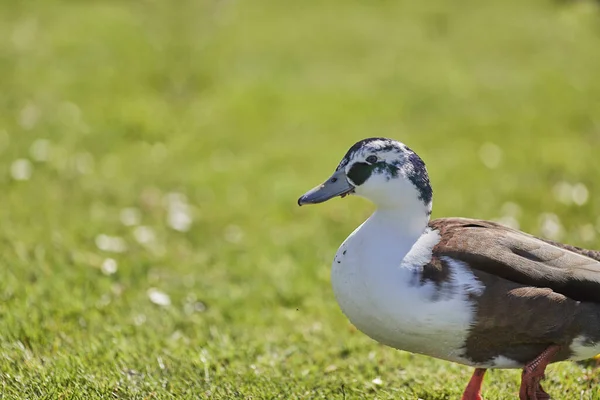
x=519 y=257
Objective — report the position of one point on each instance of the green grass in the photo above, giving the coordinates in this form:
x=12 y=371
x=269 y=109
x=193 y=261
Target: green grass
x=241 y=106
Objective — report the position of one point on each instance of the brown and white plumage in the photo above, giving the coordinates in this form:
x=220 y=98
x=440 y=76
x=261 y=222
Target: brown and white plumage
x=538 y=292
x=464 y=290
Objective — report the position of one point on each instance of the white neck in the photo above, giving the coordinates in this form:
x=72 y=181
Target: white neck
x=401 y=223
x=394 y=230
x=399 y=205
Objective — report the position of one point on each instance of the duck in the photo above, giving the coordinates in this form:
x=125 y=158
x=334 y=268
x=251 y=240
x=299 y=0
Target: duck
x=468 y=291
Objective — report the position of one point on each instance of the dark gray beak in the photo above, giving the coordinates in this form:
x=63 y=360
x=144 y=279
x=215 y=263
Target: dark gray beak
x=337 y=185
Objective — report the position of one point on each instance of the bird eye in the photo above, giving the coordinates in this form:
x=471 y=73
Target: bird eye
x=371 y=159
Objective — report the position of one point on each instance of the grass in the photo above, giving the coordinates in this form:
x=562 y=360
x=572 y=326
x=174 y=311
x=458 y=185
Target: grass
x=120 y=120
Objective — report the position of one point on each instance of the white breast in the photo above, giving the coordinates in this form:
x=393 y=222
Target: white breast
x=583 y=349
x=373 y=279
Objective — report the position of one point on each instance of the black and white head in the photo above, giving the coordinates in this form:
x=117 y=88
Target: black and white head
x=382 y=170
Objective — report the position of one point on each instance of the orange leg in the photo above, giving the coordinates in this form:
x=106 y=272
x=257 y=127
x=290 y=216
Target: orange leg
x=533 y=373
x=473 y=390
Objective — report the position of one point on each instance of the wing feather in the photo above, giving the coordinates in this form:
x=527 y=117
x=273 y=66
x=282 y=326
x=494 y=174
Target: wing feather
x=520 y=257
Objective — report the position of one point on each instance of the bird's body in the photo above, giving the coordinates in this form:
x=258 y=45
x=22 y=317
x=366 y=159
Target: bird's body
x=468 y=291
x=452 y=310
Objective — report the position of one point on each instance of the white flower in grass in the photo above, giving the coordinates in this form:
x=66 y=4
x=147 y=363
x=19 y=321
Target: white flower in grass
x=159 y=298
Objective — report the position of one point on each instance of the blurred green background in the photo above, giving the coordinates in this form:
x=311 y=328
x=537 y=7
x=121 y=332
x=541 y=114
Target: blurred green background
x=151 y=155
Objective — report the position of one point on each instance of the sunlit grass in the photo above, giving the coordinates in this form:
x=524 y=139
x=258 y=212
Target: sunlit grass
x=151 y=155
